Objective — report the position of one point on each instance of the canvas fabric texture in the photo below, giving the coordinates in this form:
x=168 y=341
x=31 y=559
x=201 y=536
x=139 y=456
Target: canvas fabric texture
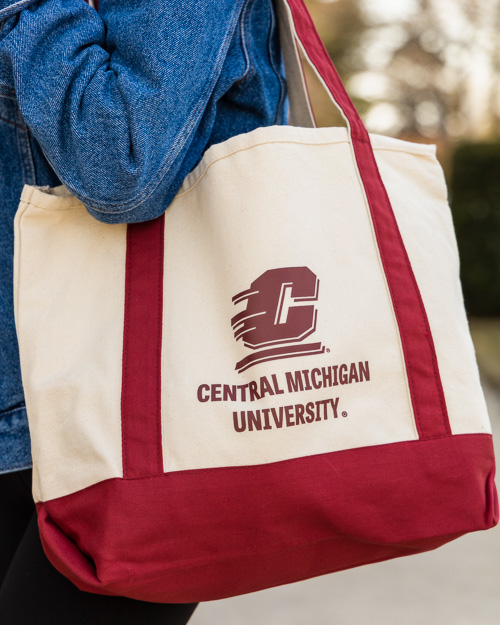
x=224 y=218
x=280 y=363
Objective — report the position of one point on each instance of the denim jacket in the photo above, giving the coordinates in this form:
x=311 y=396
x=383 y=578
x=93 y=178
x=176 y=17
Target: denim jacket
x=119 y=105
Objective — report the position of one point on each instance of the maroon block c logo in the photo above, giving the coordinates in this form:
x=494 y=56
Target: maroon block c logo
x=279 y=311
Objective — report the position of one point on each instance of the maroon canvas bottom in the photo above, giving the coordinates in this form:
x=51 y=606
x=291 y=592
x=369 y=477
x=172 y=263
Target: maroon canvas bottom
x=212 y=533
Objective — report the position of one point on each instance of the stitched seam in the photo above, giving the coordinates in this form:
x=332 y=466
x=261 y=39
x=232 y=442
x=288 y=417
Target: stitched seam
x=45 y=208
x=12 y=411
x=428 y=333
x=395 y=312
x=250 y=147
x=125 y=357
x=6 y=89
x=394 y=306
x=170 y=156
x=189 y=189
x=11 y=123
x=404 y=151
x=247 y=78
x=268 y=464
x=423 y=315
x=16 y=6
x=159 y=429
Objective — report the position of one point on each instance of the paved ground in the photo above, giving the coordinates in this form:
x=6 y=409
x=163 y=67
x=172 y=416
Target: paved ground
x=458 y=584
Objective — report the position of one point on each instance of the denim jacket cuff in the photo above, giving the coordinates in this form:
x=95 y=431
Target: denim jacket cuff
x=11 y=7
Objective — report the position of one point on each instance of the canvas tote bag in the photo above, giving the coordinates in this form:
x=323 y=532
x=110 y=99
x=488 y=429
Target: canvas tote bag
x=273 y=381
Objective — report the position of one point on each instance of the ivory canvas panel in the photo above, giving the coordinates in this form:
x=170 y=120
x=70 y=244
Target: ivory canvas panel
x=244 y=216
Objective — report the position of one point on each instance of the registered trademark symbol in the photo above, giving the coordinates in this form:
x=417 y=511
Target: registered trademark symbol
x=327 y=350
x=344 y=413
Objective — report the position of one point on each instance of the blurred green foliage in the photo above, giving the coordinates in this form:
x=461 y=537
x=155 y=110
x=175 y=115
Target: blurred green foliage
x=475 y=200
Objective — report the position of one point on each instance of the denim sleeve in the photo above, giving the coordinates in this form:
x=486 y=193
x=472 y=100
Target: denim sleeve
x=11 y=7
x=113 y=97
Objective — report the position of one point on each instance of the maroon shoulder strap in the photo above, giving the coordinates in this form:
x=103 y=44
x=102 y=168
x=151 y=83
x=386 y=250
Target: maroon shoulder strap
x=420 y=355
x=142 y=344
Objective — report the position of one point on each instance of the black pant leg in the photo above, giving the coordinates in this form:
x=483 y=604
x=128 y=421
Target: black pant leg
x=16 y=510
x=33 y=592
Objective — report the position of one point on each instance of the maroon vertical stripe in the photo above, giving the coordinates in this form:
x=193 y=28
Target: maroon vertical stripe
x=421 y=362
x=141 y=382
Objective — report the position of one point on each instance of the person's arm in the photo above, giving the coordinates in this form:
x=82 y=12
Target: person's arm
x=114 y=97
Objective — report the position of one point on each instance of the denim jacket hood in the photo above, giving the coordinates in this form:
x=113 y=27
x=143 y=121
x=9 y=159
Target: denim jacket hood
x=119 y=105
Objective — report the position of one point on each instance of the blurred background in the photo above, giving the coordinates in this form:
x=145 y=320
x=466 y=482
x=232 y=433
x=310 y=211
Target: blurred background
x=424 y=71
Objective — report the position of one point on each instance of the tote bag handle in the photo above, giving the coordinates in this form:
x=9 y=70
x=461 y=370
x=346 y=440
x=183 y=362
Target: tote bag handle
x=297 y=30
